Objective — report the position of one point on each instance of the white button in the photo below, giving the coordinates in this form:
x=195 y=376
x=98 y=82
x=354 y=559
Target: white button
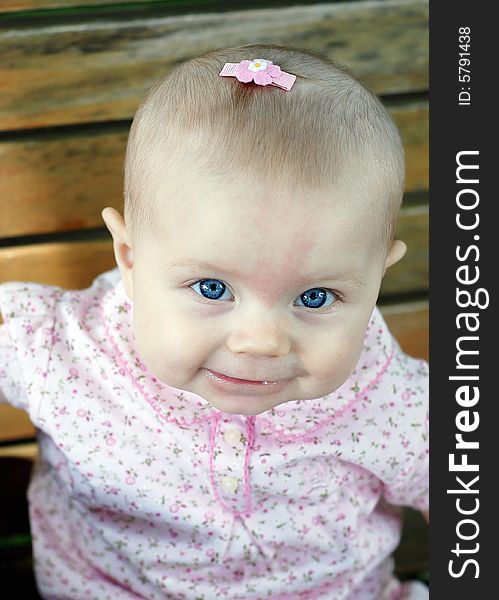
x=233 y=436
x=229 y=484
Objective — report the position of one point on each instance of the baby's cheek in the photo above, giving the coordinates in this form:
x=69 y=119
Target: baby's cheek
x=337 y=360
x=173 y=349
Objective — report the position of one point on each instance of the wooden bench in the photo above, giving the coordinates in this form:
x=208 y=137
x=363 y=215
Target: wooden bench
x=71 y=77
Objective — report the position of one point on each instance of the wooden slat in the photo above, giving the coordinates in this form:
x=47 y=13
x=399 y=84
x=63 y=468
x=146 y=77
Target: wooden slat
x=99 y=70
x=408 y=322
x=14 y=424
x=411 y=273
x=75 y=264
x=72 y=265
x=29 y=450
x=60 y=183
x=412 y=121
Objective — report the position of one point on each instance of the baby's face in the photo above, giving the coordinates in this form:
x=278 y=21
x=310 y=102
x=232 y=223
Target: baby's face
x=250 y=305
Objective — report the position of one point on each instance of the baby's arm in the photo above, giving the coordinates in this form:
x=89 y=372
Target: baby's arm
x=3 y=347
x=26 y=340
x=426 y=515
x=12 y=388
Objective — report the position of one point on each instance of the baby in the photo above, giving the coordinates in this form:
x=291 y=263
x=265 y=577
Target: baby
x=226 y=415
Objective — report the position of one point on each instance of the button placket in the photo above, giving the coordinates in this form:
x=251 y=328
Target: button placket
x=230 y=448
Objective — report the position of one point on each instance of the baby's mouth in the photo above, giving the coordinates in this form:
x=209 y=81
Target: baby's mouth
x=247 y=387
x=247 y=381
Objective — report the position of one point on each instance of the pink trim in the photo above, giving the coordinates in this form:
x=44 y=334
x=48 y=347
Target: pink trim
x=215 y=426
x=153 y=402
x=249 y=447
x=286 y=438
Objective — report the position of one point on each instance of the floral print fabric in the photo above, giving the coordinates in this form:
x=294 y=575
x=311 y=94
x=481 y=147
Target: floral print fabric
x=146 y=491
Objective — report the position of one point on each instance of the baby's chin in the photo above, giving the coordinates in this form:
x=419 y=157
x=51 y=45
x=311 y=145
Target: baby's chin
x=245 y=404
x=247 y=407
x=253 y=405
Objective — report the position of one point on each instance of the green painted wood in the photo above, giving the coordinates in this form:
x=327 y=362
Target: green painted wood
x=70 y=6
x=39 y=5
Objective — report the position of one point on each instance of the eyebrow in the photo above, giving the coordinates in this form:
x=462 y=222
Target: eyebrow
x=346 y=277
x=186 y=264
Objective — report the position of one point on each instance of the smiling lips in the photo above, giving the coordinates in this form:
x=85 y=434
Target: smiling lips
x=238 y=380
x=235 y=384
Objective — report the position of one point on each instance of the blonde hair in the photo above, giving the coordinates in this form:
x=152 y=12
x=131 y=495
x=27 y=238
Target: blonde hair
x=327 y=129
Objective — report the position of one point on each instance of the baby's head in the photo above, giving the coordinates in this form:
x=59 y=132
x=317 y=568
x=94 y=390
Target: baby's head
x=258 y=226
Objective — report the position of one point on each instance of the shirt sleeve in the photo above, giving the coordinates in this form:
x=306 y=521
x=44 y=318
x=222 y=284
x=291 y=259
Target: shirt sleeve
x=26 y=340
x=12 y=385
x=410 y=487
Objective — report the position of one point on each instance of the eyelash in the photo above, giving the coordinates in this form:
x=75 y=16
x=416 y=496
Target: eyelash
x=321 y=309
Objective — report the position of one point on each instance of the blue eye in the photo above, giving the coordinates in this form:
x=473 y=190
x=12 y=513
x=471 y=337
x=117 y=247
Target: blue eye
x=213 y=289
x=316 y=298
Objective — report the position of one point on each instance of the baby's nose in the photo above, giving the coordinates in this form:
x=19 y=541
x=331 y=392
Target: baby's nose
x=260 y=338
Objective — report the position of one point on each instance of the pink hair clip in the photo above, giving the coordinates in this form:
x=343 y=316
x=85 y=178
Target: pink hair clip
x=261 y=71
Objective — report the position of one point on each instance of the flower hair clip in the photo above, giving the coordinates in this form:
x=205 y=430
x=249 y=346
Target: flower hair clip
x=261 y=71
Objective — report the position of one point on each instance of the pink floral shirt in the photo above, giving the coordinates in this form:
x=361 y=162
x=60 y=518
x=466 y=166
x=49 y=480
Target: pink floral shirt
x=146 y=491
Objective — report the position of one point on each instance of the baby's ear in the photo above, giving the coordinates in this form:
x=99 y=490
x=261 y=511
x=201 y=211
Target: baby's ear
x=396 y=252
x=123 y=249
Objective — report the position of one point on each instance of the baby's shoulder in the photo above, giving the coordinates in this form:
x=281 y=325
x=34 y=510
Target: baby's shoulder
x=46 y=330
x=27 y=300
x=392 y=400
x=408 y=380
x=38 y=316
x=31 y=299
